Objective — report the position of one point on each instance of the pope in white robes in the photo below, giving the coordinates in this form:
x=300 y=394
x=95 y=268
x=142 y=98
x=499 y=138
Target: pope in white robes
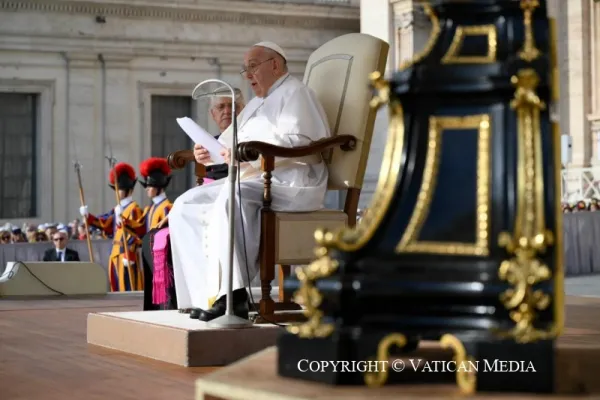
x=285 y=112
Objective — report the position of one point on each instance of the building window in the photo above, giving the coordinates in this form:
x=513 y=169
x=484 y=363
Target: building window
x=168 y=137
x=18 y=114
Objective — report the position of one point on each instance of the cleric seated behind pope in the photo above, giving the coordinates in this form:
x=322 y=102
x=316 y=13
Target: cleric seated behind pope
x=285 y=112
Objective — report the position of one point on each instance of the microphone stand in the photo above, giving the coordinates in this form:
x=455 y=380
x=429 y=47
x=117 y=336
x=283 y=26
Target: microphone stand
x=229 y=320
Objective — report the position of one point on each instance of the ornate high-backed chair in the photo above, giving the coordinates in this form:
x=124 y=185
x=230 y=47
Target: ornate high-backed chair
x=338 y=72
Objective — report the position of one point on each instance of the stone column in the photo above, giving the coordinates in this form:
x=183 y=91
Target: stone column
x=574 y=64
x=401 y=24
x=376 y=20
x=403 y=31
x=594 y=116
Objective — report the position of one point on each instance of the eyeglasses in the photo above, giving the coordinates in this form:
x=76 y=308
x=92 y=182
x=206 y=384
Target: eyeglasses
x=251 y=69
x=59 y=239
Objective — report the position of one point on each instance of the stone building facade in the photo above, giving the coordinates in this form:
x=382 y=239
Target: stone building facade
x=80 y=79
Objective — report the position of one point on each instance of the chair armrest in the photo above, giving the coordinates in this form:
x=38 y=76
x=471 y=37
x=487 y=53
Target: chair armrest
x=250 y=151
x=179 y=159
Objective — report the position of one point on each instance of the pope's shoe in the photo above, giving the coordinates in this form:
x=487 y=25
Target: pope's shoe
x=195 y=312
x=240 y=307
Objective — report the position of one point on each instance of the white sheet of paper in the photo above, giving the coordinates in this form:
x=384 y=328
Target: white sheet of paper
x=201 y=137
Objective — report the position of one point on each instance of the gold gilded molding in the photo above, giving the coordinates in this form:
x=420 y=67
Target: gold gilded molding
x=559 y=276
x=453 y=55
x=530 y=238
x=465 y=377
x=433 y=37
x=378 y=378
x=351 y=239
x=409 y=242
x=383 y=90
x=309 y=295
x=529 y=51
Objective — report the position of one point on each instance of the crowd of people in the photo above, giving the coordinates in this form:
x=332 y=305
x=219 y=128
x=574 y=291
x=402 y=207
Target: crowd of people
x=582 y=205
x=29 y=233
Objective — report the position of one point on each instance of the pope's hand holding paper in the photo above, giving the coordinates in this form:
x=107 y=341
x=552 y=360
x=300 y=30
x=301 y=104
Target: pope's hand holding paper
x=205 y=141
x=201 y=155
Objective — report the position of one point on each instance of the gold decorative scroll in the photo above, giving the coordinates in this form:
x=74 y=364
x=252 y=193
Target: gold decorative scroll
x=465 y=377
x=529 y=51
x=378 y=378
x=309 y=295
x=530 y=238
x=559 y=283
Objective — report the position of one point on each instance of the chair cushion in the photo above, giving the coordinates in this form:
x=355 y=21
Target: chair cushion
x=294 y=233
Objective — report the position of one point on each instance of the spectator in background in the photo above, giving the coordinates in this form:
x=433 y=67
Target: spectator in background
x=81 y=233
x=5 y=237
x=61 y=252
x=50 y=230
x=18 y=236
x=580 y=206
x=40 y=237
x=74 y=229
x=30 y=232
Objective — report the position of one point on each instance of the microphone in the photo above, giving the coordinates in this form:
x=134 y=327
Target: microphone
x=219 y=92
x=229 y=320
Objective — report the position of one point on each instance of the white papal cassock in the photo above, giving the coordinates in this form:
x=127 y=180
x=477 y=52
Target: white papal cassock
x=290 y=116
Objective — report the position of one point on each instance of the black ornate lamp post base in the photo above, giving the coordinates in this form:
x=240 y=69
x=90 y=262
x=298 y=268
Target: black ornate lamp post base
x=462 y=243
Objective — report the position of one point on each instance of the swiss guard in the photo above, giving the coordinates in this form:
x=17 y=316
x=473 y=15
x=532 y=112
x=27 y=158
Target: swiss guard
x=158 y=274
x=156 y=176
x=124 y=271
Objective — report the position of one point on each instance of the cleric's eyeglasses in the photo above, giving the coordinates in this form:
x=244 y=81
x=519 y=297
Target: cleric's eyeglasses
x=251 y=69
x=59 y=239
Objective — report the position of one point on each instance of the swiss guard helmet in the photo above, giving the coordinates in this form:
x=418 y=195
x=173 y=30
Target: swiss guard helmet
x=155 y=172
x=125 y=176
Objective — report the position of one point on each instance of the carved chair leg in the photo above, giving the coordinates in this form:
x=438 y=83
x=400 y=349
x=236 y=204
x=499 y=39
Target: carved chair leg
x=351 y=205
x=267 y=263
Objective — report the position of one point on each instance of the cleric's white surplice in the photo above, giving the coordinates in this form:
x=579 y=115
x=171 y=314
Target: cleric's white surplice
x=290 y=116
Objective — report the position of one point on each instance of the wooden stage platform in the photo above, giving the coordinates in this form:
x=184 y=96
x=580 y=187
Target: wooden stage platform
x=43 y=352
x=44 y=355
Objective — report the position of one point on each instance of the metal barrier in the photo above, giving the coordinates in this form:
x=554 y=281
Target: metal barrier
x=580 y=184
